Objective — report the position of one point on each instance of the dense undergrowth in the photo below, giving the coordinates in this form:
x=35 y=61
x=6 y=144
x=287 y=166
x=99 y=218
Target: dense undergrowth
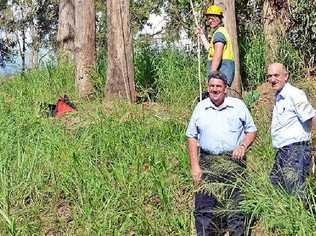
x=117 y=168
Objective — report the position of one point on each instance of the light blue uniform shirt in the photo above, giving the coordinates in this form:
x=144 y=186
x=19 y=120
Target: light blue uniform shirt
x=220 y=130
x=291 y=119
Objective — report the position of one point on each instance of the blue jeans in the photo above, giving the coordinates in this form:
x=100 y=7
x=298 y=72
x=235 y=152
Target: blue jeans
x=226 y=67
x=214 y=215
x=291 y=167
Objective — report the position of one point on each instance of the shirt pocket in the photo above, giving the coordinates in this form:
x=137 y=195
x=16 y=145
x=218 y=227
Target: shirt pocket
x=284 y=116
x=234 y=124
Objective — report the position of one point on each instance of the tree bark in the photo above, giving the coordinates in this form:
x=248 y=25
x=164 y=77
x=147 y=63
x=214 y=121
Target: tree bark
x=120 y=70
x=228 y=7
x=66 y=29
x=22 y=48
x=275 y=13
x=85 y=44
x=33 y=60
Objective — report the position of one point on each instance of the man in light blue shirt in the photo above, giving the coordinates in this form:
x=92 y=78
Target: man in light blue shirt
x=224 y=129
x=292 y=121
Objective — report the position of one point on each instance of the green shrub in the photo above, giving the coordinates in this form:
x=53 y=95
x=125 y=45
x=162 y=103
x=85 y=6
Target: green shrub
x=291 y=58
x=102 y=170
x=253 y=59
x=145 y=70
x=177 y=77
x=301 y=31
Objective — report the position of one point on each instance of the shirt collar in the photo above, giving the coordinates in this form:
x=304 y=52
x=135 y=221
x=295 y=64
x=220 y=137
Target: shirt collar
x=283 y=93
x=225 y=104
x=217 y=27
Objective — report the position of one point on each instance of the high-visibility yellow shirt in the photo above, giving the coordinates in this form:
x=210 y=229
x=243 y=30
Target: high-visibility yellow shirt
x=228 y=53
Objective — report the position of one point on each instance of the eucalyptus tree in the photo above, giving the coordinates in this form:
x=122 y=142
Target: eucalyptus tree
x=85 y=57
x=301 y=30
x=7 y=44
x=29 y=24
x=120 y=69
x=66 y=29
x=275 y=19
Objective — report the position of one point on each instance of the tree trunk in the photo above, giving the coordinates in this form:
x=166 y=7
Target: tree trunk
x=66 y=29
x=84 y=45
x=22 y=48
x=228 y=7
x=33 y=60
x=275 y=13
x=120 y=70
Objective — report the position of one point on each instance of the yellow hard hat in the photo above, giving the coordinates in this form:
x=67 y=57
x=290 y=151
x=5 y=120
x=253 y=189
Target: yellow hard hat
x=214 y=10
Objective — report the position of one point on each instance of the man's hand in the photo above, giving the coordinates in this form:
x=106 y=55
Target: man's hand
x=239 y=152
x=199 y=31
x=196 y=174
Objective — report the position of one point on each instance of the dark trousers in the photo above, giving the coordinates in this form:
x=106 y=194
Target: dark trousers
x=291 y=167
x=217 y=210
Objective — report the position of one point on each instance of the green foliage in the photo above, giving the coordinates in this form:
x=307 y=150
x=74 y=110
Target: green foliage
x=145 y=70
x=120 y=169
x=104 y=170
x=22 y=18
x=177 y=77
x=250 y=98
x=302 y=29
x=140 y=11
x=99 y=77
x=167 y=75
x=291 y=58
x=253 y=58
x=277 y=212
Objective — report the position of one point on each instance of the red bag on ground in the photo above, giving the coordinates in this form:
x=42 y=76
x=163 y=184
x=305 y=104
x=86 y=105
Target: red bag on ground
x=64 y=105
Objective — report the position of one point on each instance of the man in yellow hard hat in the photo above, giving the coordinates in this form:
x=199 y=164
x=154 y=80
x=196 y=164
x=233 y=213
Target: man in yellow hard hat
x=220 y=49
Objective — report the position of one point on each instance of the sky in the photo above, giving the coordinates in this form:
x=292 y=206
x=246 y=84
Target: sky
x=156 y=24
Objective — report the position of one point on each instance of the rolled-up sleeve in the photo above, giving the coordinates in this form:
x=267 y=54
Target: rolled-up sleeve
x=219 y=38
x=249 y=125
x=192 y=129
x=303 y=108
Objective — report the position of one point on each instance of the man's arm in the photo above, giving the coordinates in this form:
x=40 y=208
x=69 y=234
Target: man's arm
x=240 y=151
x=196 y=171
x=200 y=33
x=217 y=57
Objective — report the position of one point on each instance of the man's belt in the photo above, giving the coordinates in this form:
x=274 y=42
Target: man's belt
x=297 y=144
x=302 y=143
x=204 y=152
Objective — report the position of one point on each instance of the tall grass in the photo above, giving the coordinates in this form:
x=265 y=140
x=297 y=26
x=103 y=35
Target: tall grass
x=253 y=59
x=105 y=170
x=177 y=78
x=119 y=169
x=290 y=57
x=168 y=76
x=277 y=212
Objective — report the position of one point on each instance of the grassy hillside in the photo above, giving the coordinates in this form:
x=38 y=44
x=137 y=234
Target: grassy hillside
x=119 y=169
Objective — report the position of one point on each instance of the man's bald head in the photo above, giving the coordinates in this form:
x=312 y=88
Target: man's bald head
x=277 y=75
x=278 y=66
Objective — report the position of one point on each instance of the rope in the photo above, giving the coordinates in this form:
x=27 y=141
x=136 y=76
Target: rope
x=199 y=51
